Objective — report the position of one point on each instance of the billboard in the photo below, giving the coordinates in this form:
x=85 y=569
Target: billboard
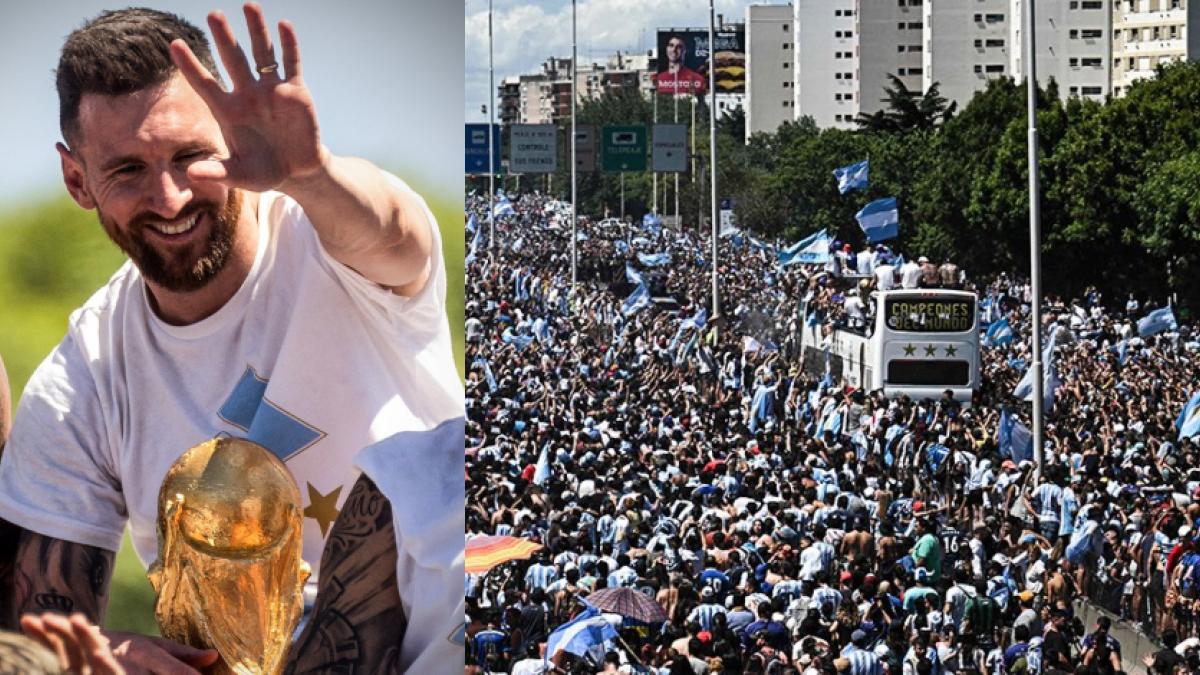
x=624 y=148
x=585 y=147
x=477 y=149
x=669 y=147
x=683 y=61
x=533 y=148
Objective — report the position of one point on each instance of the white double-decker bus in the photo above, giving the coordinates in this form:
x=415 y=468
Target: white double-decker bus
x=919 y=342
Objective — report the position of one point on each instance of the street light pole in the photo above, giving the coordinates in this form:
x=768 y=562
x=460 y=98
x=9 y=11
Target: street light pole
x=1035 y=249
x=712 y=150
x=574 y=194
x=490 y=139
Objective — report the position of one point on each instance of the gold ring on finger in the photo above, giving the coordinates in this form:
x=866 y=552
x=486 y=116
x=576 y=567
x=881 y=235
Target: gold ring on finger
x=263 y=70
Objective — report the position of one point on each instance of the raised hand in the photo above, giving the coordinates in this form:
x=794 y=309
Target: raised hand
x=268 y=117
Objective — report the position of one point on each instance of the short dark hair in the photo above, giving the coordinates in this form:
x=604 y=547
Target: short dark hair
x=120 y=52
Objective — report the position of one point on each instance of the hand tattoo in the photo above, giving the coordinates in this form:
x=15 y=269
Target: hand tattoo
x=52 y=575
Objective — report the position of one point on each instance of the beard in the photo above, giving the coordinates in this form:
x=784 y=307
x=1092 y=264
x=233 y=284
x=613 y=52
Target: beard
x=183 y=269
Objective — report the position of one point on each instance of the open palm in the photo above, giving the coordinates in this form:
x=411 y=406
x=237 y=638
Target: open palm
x=269 y=122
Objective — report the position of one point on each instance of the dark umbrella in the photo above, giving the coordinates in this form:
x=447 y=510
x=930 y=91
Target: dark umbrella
x=628 y=603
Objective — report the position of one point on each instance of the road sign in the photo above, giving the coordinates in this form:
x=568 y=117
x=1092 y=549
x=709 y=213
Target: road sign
x=533 y=148
x=477 y=149
x=624 y=148
x=585 y=147
x=669 y=148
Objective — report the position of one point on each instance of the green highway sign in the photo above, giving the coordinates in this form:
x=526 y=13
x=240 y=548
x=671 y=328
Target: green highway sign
x=624 y=148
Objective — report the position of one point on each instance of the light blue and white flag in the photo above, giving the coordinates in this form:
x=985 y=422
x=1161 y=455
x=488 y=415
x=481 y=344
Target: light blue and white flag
x=475 y=242
x=487 y=372
x=581 y=236
x=472 y=224
x=518 y=244
x=1188 y=421
x=586 y=633
x=518 y=341
x=697 y=321
x=812 y=250
x=852 y=177
x=879 y=220
x=503 y=208
x=634 y=276
x=1021 y=442
x=637 y=300
x=998 y=334
x=654 y=259
x=541 y=474
x=1158 y=321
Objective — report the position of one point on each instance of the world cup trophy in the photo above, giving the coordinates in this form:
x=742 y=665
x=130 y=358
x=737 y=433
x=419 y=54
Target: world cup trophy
x=229 y=574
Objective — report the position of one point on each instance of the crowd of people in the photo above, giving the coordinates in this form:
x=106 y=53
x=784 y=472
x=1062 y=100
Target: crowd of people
x=787 y=523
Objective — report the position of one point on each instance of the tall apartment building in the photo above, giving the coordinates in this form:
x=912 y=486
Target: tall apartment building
x=545 y=97
x=891 y=42
x=826 y=62
x=965 y=44
x=1074 y=43
x=769 y=73
x=1147 y=33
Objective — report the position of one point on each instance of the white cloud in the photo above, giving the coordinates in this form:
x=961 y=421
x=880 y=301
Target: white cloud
x=528 y=33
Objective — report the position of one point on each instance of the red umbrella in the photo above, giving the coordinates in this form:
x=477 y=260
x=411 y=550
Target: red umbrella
x=628 y=603
x=484 y=553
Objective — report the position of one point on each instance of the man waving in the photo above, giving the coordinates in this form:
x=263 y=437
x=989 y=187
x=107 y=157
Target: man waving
x=275 y=291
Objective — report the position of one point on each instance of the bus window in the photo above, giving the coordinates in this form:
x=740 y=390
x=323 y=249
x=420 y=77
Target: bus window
x=928 y=372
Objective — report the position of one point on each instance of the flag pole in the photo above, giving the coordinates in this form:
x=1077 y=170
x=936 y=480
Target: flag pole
x=574 y=185
x=491 y=139
x=1035 y=251
x=712 y=151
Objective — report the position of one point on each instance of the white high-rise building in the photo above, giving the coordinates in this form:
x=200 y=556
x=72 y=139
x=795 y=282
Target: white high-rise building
x=826 y=62
x=769 y=73
x=1073 y=46
x=1147 y=33
x=966 y=43
x=891 y=42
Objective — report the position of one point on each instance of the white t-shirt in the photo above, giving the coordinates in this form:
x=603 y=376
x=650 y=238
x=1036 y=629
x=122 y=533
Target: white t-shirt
x=910 y=275
x=308 y=358
x=420 y=473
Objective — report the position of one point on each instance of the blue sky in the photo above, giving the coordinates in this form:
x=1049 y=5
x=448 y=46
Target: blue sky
x=527 y=33
x=385 y=75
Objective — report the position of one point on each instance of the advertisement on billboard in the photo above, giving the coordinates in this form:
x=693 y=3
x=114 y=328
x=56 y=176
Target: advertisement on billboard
x=533 y=148
x=669 y=147
x=683 y=61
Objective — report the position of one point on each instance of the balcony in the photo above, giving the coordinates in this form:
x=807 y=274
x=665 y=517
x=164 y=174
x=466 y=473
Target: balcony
x=1152 y=47
x=1126 y=19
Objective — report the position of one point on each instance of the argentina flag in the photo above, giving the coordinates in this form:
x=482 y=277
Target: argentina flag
x=998 y=334
x=880 y=219
x=1188 y=421
x=852 y=177
x=1158 y=321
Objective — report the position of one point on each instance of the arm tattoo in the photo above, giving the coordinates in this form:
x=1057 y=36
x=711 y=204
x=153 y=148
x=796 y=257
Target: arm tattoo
x=52 y=575
x=358 y=621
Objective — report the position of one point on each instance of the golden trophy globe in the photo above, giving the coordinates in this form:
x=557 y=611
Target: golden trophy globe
x=229 y=574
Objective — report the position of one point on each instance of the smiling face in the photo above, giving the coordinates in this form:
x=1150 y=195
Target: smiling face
x=675 y=50
x=130 y=164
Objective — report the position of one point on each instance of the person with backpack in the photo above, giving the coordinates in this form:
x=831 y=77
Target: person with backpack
x=1101 y=652
x=978 y=628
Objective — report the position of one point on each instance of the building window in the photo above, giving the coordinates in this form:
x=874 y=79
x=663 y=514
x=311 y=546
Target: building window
x=1091 y=4
x=1074 y=63
x=1089 y=62
x=787 y=84
x=1157 y=33
x=1092 y=91
x=915 y=71
x=1074 y=91
x=787 y=104
x=978 y=18
x=837 y=76
x=995 y=43
x=914 y=49
x=979 y=44
x=914 y=25
x=787 y=64
x=994 y=68
x=978 y=68
x=786 y=28
x=1174 y=34
x=1091 y=33
x=994 y=18
x=900 y=48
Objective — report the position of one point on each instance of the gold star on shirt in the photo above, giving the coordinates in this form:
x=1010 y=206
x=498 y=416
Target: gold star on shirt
x=322 y=508
x=909 y=349
x=930 y=350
